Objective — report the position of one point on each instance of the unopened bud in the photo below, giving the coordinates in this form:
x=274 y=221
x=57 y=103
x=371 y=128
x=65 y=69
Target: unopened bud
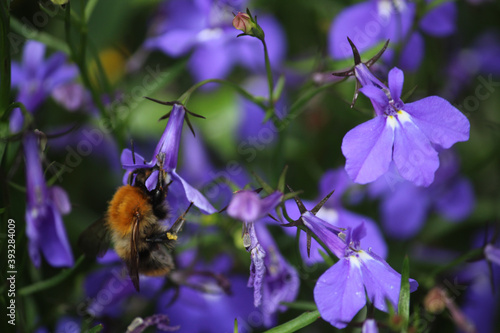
x=248 y=24
x=435 y=301
x=243 y=22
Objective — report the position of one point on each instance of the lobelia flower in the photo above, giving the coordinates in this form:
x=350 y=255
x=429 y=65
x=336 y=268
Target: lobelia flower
x=405 y=133
x=44 y=207
x=451 y=195
x=274 y=280
x=371 y=22
x=205 y=27
x=342 y=290
x=36 y=78
x=213 y=311
x=110 y=289
x=480 y=282
x=168 y=146
x=477 y=61
x=333 y=213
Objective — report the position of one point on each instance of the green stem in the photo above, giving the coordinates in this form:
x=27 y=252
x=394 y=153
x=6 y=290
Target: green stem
x=460 y=260
x=269 y=75
x=52 y=282
x=296 y=324
x=5 y=58
x=185 y=97
x=79 y=57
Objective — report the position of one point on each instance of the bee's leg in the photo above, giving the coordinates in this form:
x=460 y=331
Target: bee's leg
x=181 y=277
x=177 y=226
x=171 y=234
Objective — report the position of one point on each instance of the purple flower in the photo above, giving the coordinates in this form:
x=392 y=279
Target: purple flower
x=205 y=27
x=401 y=132
x=274 y=280
x=247 y=206
x=252 y=130
x=473 y=62
x=64 y=324
x=342 y=290
x=371 y=22
x=168 y=146
x=36 y=78
x=335 y=216
x=44 y=207
x=195 y=311
x=405 y=207
x=109 y=288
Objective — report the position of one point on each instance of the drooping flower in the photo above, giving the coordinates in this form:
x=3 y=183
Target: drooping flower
x=36 y=78
x=168 y=147
x=274 y=280
x=248 y=207
x=44 y=207
x=405 y=207
x=333 y=213
x=373 y=21
x=205 y=28
x=342 y=290
x=405 y=133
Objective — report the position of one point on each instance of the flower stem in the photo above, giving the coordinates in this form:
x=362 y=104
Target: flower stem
x=460 y=260
x=185 y=97
x=269 y=75
x=52 y=282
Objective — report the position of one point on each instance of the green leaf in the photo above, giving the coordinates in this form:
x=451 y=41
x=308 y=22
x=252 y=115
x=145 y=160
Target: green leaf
x=404 y=295
x=89 y=8
x=296 y=324
x=268 y=189
x=29 y=32
x=235 y=325
x=301 y=305
x=281 y=181
x=278 y=88
x=96 y=329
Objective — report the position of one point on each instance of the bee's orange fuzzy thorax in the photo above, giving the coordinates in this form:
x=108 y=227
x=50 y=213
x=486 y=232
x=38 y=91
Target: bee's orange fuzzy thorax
x=127 y=203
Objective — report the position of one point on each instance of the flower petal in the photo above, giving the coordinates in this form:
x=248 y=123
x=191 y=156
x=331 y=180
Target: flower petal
x=55 y=245
x=414 y=156
x=174 y=43
x=440 y=121
x=244 y=206
x=33 y=54
x=381 y=281
x=368 y=150
x=396 y=80
x=404 y=210
x=352 y=22
x=457 y=201
x=441 y=21
x=339 y=293
x=194 y=196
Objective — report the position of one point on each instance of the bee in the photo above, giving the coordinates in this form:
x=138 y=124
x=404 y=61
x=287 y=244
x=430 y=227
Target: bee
x=132 y=224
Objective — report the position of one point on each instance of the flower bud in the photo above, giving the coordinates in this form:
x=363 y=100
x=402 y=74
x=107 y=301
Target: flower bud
x=243 y=22
x=248 y=24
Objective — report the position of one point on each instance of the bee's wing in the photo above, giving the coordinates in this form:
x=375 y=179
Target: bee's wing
x=133 y=263
x=95 y=240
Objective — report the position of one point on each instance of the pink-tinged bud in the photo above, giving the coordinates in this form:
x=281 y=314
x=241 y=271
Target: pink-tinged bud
x=243 y=22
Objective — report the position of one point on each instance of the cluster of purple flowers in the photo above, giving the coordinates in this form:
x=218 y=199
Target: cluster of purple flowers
x=401 y=159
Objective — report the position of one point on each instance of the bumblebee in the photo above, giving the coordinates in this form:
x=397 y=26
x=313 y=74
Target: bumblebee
x=132 y=224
